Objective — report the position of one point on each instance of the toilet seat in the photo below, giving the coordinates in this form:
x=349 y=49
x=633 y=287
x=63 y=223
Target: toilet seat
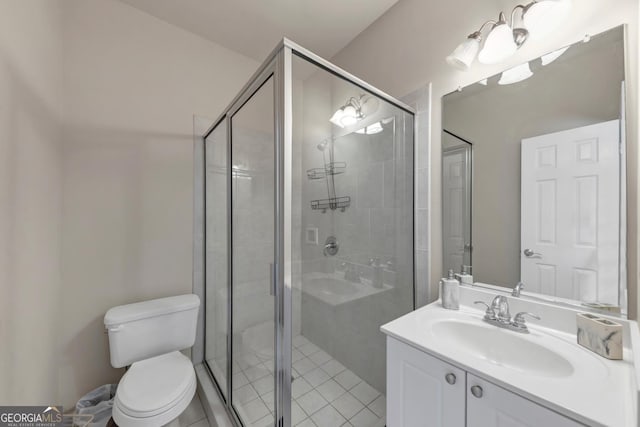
x=154 y=391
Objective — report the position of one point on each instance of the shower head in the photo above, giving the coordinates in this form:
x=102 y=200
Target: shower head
x=322 y=145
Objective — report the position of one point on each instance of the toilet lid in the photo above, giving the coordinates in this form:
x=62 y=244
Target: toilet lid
x=154 y=385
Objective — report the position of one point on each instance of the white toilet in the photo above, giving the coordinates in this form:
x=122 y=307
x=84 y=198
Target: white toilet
x=161 y=381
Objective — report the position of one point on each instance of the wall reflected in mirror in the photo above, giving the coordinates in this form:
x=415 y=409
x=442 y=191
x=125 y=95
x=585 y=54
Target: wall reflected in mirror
x=533 y=176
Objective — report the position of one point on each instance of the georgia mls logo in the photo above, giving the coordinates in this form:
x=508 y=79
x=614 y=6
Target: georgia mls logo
x=30 y=416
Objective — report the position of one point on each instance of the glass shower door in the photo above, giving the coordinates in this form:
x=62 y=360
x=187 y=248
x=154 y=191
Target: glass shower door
x=253 y=242
x=352 y=245
x=216 y=244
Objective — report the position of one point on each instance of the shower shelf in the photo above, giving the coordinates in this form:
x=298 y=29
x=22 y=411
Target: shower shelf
x=326 y=173
x=334 y=168
x=333 y=203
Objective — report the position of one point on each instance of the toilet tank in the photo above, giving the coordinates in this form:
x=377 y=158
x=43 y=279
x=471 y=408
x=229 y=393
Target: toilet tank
x=147 y=329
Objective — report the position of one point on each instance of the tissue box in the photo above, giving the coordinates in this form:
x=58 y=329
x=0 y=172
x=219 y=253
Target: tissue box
x=600 y=335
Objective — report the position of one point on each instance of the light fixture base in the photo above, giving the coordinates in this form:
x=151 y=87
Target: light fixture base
x=520 y=35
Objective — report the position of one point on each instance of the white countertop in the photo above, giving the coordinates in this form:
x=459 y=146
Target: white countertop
x=600 y=392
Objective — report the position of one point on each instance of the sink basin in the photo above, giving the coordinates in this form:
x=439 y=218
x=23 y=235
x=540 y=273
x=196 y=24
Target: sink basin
x=329 y=286
x=503 y=348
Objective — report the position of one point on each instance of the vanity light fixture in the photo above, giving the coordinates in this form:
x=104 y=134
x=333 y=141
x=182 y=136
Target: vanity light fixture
x=542 y=17
x=552 y=56
x=516 y=74
x=371 y=129
x=536 y=19
x=466 y=52
x=500 y=43
x=350 y=113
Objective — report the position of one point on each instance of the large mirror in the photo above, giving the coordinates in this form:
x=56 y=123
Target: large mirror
x=533 y=176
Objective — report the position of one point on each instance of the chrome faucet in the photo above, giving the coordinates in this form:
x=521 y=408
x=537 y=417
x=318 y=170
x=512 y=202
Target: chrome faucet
x=498 y=314
x=517 y=289
x=500 y=306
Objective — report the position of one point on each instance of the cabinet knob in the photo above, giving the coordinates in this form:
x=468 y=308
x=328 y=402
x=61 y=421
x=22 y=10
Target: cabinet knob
x=476 y=390
x=451 y=378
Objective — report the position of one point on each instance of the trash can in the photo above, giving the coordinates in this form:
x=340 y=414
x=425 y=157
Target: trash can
x=94 y=408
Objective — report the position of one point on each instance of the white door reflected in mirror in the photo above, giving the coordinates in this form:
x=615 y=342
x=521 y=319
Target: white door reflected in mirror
x=570 y=213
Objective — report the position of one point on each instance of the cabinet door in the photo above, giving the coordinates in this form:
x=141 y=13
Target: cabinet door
x=491 y=406
x=422 y=391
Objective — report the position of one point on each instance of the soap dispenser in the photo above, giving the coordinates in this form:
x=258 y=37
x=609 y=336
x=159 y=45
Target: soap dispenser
x=465 y=276
x=450 y=292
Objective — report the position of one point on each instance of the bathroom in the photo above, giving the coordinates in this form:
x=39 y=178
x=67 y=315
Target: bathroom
x=105 y=103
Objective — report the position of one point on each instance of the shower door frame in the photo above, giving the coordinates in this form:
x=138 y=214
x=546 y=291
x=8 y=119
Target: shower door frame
x=279 y=66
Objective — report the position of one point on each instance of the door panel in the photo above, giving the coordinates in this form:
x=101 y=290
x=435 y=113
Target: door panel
x=419 y=394
x=456 y=207
x=571 y=213
x=497 y=407
x=216 y=271
x=253 y=218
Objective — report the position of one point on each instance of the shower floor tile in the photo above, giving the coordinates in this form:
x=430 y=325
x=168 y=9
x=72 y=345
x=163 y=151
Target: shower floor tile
x=325 y=392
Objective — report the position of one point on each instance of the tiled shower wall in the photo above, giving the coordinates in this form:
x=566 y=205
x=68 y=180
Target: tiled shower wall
x=378 y=181
x=421 y=101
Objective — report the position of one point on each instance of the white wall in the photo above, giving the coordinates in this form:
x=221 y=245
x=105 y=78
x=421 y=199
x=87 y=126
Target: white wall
x=132 y=85
x=405 y=50
x=30 y=84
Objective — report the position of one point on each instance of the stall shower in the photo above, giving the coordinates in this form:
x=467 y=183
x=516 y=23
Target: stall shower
x=307 y=190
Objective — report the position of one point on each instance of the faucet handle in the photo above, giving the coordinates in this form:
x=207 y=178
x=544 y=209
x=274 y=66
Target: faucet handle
x=490 y=313
x=519 y=322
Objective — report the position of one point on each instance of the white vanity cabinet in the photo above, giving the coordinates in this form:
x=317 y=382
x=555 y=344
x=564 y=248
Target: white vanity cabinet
x=489 y=405
x=424 y=391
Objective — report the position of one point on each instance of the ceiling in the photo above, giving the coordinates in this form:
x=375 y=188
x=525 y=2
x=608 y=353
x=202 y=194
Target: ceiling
x=254 y=27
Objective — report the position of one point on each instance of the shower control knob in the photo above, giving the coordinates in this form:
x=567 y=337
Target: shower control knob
x=476 y=390
x=331 y=246
x=451 y=378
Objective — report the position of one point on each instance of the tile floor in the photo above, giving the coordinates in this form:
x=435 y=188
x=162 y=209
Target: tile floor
x=325 y=393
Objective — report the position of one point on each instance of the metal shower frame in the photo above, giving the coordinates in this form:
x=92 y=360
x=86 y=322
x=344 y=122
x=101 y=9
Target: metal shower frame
x=278 y=66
